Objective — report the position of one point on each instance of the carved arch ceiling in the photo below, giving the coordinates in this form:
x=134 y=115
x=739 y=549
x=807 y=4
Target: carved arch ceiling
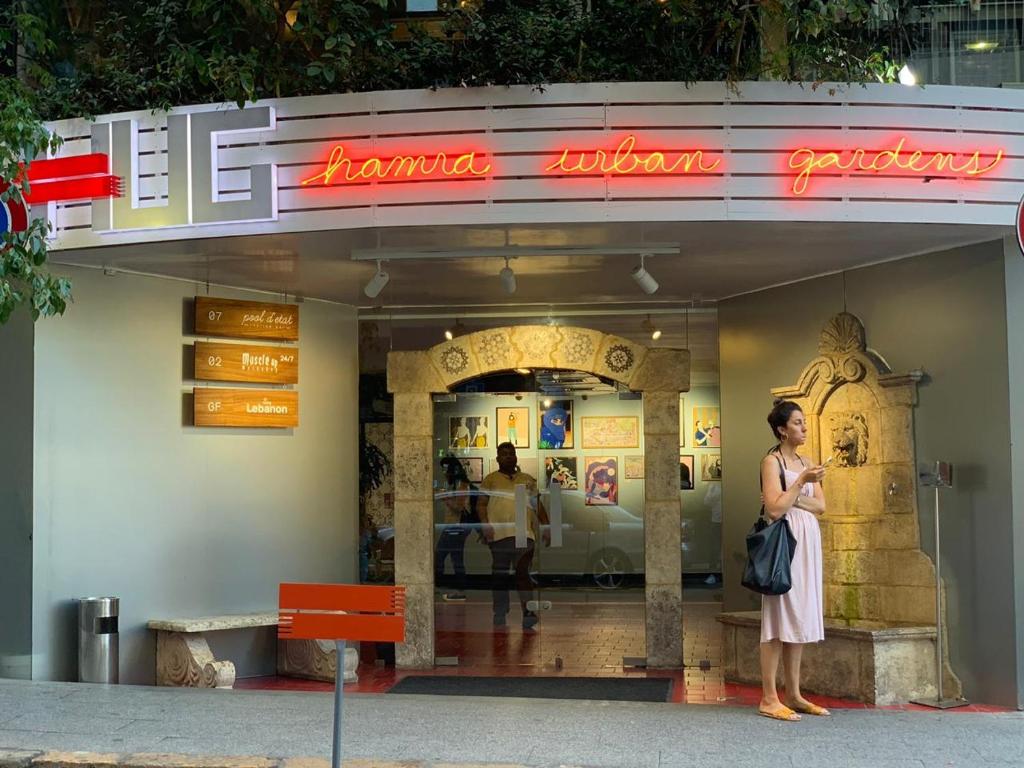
x=537 y=346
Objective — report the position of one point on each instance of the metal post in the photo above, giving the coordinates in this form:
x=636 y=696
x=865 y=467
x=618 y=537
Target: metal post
x=339 y=687
x=939 y=702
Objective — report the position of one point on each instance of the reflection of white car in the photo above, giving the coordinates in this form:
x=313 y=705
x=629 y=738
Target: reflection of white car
x=604 y=544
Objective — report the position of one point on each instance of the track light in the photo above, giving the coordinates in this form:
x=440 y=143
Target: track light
x=455 y=331
x=643 y=278
x=377 y=282
x=652 y=329
x=508 y=278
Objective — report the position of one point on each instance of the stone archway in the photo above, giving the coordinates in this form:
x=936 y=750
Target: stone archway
x=413 y=379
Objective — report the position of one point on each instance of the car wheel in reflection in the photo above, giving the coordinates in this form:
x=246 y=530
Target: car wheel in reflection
x=609 y=569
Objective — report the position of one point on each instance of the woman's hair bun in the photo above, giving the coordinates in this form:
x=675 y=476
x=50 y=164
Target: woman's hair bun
x=778 y=401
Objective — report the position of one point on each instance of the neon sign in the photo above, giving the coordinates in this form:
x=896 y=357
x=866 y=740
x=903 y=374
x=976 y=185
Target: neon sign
x=809 y=161
x=624 y=160
x=399 y=168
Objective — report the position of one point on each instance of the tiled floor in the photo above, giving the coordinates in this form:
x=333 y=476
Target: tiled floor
x=582 y=635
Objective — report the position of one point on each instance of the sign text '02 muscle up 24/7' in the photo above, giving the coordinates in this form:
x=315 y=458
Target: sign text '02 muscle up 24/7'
x=216 y=361
x=246 y=319
x=223 y=407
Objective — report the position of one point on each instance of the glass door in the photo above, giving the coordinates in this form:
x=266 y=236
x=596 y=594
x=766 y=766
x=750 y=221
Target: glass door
x=590 y=568
x=539 y=541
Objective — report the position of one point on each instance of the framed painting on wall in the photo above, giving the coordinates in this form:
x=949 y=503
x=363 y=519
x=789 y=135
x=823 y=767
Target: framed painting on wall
x=707 y=432
x=474 y=466
x=686 y=473
x=634 y=467
x=513 y=426
x=467 y=432
x=562 y=470
x=711 y=466
x=601 y=483
x=555 y=425
x=611 y=431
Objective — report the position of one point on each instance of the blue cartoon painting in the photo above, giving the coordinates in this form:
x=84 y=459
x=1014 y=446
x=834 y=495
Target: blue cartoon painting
x=555 y=424
x=601 y=486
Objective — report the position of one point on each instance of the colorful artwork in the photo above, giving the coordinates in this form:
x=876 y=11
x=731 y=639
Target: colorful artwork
x=711 y=466
x=611 y=432
x=686 y=473
x=556 y=425
x=467 y=432
x=706 y=430
x=474 y=466
x=513 y=426
x=562 y=470
x=601 y=485
x=634 y=467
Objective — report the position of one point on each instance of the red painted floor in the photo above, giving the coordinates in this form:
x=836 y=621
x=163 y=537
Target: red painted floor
x=585 y=636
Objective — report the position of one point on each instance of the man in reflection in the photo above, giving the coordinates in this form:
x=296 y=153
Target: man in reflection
x=497 y=510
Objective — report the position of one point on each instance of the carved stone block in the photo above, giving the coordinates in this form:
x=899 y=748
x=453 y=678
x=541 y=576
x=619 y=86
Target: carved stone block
x=314 y=660
x=185 y=660
x=849 y=439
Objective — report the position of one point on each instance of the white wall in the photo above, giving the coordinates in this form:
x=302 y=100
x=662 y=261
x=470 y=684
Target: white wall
x=174 y=519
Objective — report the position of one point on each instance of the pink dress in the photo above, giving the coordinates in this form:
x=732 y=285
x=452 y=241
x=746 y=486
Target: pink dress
x=797 y=616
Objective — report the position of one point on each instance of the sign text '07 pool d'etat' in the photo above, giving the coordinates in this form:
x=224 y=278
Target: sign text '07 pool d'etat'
x=246 y=319
x=222 y=407
x=216 y=361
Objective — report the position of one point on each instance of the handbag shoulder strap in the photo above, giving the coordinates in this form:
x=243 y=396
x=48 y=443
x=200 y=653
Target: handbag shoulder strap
x=782 y=478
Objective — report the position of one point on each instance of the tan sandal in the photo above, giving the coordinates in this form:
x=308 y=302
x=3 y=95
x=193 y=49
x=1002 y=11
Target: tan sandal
x=811 y=709
x=782 y=713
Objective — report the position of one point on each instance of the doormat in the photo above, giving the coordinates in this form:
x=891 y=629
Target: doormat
x=598 y=688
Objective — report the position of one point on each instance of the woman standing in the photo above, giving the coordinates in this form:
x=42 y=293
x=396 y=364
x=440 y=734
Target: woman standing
x=792 y=487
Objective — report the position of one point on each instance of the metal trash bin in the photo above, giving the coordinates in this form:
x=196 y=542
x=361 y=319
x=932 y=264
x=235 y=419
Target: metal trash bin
x=97 y=639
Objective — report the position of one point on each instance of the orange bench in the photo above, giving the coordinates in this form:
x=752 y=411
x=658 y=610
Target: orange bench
x=341 y=612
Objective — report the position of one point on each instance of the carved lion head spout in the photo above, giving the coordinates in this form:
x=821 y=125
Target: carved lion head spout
x=850 y=440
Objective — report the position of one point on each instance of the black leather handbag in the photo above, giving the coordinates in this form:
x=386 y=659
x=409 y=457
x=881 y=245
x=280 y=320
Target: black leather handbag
x=770 y=548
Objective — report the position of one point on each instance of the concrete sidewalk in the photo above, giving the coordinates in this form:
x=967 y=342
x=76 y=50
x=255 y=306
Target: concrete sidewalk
x=435 y=730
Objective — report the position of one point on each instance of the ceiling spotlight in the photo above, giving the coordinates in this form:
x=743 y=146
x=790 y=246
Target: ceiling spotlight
x=643 y=278
x=523 y=371
x=652 y=329
x=455 y=331
x=377 y=282
x=546 y=402
x=907 y=76
x=508 y=278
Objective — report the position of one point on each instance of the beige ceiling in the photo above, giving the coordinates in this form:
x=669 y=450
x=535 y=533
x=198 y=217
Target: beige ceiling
x=716 y=260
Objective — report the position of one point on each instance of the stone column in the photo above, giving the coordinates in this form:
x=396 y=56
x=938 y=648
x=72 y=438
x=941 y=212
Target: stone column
x=664 y=374
x=414 y=517
x=662 y=531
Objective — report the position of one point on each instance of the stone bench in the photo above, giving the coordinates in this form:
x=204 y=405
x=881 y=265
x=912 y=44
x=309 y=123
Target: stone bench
x=876 y=666
x=184 y=659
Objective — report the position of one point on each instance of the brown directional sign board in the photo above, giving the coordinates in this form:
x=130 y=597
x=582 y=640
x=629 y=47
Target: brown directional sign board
x=246 y=319
x=246 y=362
x=223 y=407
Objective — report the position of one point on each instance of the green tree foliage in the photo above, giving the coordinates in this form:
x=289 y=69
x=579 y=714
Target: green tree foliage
x=24 y=278
x=96 y=56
